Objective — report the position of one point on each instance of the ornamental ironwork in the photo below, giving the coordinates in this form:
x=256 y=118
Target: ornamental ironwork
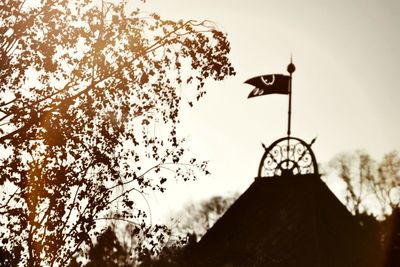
x=288 y=155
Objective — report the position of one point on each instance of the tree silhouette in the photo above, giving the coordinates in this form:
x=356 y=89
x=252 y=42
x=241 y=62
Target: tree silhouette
x=198 y=218
x=175 y=246
x=369 y=182
x=175 y=255
x=108 y=251
x=89 y=105
x=193 y=221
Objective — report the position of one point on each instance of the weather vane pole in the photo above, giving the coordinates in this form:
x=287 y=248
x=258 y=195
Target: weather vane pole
x=290 y=68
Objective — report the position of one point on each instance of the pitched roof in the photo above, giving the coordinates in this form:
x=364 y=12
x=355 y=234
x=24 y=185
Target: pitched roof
x=284 y=221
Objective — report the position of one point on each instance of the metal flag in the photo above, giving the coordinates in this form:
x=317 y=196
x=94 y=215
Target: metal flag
x=269 y=84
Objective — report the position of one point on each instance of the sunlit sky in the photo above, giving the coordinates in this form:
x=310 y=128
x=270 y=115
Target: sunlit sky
x=345 y=88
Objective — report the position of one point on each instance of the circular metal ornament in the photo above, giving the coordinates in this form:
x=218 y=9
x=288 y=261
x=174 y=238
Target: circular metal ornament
x=288 y=155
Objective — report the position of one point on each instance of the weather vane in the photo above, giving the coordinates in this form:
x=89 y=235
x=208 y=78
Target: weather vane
x=288 y=155
x=274 y=84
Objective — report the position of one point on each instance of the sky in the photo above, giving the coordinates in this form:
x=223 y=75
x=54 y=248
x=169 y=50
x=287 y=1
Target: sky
x=345 y=87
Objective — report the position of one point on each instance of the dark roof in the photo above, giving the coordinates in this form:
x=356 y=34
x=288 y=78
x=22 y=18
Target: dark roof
x=284 y=221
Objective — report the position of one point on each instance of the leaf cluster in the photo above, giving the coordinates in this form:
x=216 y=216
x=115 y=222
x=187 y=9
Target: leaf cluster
x=89 y=108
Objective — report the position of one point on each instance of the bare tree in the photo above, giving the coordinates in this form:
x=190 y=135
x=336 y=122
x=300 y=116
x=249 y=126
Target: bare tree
x=369 y=182
x=197 y=218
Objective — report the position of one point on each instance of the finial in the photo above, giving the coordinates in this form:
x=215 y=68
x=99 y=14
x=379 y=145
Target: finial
x=291 y=68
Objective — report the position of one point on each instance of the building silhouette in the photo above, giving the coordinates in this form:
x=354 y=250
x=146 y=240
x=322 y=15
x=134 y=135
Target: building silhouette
x=287 y=217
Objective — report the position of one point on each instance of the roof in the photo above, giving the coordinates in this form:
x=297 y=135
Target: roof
x=292 y=220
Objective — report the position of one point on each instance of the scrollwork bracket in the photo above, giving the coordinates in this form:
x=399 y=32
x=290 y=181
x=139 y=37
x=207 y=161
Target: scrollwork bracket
x=288 y=155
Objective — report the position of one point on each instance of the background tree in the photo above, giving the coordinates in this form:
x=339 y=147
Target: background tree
x=108 y=251
x=82 y=87
x=174 y=255
x=197 y=218
x=369 y=183
x=374 y=188
x=192 y=222
x=128 y=246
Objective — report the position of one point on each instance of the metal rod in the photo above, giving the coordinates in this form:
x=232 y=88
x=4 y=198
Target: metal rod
x=290 y=105
x=291 y=68
x=289 y=121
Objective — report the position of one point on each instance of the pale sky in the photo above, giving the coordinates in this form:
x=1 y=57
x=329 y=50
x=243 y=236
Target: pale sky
x=345 y=88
